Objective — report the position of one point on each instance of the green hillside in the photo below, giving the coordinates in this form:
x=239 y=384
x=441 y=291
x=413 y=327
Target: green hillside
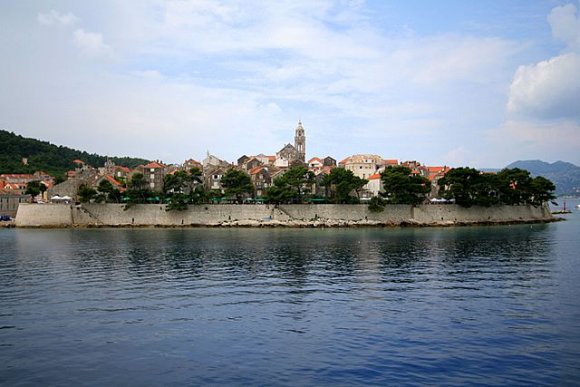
x=44 y=156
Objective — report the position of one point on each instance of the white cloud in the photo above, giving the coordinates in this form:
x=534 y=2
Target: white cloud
x=55 y=17
x=90 y=43
x=532 y=139
x=549 y=89
x=234 y=76
x=565 y=25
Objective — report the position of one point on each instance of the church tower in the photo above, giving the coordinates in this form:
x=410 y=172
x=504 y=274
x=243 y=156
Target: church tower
x=300 y=142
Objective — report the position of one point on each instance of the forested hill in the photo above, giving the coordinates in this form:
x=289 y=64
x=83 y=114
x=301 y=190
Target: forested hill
x=43 y=156
x=566 y=176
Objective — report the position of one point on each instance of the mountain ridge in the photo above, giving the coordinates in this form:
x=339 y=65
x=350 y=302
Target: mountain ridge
x=565 y=175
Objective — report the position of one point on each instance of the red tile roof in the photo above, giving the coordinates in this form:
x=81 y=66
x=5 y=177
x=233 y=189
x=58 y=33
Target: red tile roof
x=256 y=170
x=375 y=176
x=124 y=169
x=113 y=181
x=154 y=165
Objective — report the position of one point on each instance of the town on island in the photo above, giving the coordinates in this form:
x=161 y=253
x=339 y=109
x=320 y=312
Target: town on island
x=290 y=189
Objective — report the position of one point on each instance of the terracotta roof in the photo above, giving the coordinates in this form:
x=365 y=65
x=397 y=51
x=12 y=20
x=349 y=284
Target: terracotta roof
x=124 y=169
x=155 y=165
x=77 y=161
x=113 y=180
x=345 y=160
x=314 y=159
x=17 y=176
x=390 y=162
x=255 y=170
x=15 y=186
x=375 y=176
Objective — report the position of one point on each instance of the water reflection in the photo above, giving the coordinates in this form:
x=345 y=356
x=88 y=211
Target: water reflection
x=289 y=306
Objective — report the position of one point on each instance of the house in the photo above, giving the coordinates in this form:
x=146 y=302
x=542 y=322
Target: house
x=16 y=183
x=252 y=163
x=261 y=179
x=213 y=177
x=286 y=156
x=266 y=160
x=329 y=162
x=188 y=165
x=213 y=161
x=243 y=160
x=315 y=164
x=362 y=165
x=154 y=174
x=10 y=200
x=375 y=185
x=121 y=173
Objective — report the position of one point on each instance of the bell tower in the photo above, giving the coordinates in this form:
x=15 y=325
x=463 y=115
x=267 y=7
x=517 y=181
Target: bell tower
x=300 y=142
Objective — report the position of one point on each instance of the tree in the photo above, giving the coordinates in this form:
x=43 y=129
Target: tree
x=293 y=185
x=377 y=204
x=237 y=183
x=401 y=187
x=468 y=187
x=86 y=193
x=515 y=186
x=137 y=190
x=279 y=192
x=542 y=190
x=341 y=183
x=35 y=188
x=107 y=192
x=182 y=188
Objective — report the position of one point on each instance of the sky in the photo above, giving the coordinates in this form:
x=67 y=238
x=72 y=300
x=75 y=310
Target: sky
x=449 y=82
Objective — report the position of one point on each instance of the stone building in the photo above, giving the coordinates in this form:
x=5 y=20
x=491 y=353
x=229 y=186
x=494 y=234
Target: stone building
x=292 y=154
x=362 y=165
x=154 y=174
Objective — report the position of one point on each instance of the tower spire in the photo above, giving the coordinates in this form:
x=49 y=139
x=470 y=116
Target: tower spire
x=300 y=141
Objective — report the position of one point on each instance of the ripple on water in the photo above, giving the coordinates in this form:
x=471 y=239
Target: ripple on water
x=481 y=305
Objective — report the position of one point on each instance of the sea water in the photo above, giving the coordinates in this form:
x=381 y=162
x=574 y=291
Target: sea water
x=490 y=305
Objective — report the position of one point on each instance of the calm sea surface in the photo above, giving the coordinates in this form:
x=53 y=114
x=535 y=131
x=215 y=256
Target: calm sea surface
x=437 y=306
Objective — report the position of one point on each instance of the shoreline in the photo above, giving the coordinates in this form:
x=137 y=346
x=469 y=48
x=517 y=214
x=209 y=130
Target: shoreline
x=295 y=225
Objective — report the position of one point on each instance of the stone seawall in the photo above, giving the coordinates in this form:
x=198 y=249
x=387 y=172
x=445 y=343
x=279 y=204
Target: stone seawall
x=263 y=215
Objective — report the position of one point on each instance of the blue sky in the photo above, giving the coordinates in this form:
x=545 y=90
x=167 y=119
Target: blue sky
x=478 y=83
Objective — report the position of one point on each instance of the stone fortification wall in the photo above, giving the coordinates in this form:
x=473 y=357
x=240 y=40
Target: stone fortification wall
x=355 y=212
x=61 y=215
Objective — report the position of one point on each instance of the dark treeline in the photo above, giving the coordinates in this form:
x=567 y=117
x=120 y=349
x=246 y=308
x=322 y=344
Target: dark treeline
x=511 y=186
x=43 y=156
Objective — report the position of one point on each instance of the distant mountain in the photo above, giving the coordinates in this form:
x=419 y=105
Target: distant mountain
x=43 y=156
x=565 y=175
